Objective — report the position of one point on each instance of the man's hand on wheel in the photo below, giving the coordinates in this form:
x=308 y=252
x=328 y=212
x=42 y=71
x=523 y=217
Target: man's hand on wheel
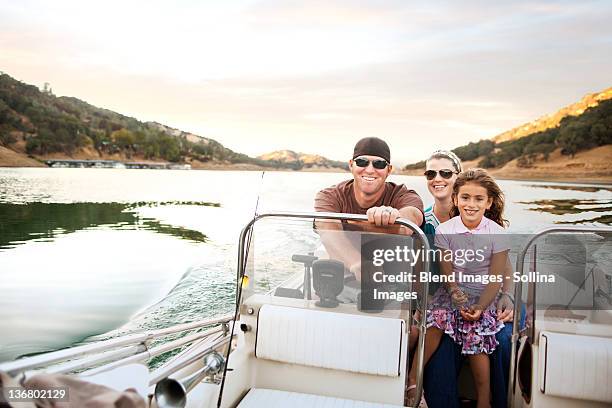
x=382 y=216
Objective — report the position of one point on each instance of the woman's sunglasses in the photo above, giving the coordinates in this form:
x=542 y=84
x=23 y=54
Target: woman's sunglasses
x=445 y=174
x=377 y=164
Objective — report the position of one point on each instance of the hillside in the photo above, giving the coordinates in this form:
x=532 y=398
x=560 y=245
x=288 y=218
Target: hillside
x=302 y=161
x=534 y=149
x=42 y=125
x=551 y=121
x=592 y=165
x=10 y=158
x=587 y=166
x=36 y=125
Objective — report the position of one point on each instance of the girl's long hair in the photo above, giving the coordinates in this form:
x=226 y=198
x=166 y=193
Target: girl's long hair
x=483 y=179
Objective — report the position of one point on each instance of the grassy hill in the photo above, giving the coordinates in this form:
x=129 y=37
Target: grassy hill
x=576 y=128
x=36 y=124
x=302 y=161
x=553 y=120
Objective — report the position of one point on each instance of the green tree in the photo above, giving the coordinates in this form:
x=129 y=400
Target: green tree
x=572 y=138
x=123 y=138
x=601 y=134
x=169 y=148
x=533 y=149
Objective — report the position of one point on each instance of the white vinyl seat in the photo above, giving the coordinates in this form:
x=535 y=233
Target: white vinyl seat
x=326 y=359
x=313 y=338
x=575 y=366
x=264 y=398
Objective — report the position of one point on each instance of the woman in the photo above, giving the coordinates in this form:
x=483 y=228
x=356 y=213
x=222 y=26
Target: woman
x=440 y=377
x=441 y=171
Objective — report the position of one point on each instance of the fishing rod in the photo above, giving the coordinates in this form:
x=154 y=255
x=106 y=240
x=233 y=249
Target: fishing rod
x=240 y=282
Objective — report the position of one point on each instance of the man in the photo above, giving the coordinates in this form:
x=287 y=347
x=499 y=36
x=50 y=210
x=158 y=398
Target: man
x=367 y=193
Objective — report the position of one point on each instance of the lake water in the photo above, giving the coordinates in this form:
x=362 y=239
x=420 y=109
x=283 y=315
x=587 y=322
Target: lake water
x=86 y=252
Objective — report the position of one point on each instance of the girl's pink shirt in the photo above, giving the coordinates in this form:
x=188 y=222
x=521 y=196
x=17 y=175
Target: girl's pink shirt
x=486 y=239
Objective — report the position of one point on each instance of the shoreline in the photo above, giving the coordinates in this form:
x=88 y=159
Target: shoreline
x=587 y=167
x=583 y=180
x=579 y=179
x=594 y=180
x=606 y=181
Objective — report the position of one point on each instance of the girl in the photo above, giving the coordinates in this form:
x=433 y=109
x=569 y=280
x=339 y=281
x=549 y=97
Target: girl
x=464 y=308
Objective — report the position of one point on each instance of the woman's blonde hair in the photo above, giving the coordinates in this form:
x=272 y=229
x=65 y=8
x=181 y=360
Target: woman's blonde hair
x=446 y=154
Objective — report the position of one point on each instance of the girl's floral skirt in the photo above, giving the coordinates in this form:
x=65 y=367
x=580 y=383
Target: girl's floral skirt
x=475 y=337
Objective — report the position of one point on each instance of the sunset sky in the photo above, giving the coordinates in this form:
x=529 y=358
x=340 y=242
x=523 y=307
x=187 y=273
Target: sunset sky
x=315 y=76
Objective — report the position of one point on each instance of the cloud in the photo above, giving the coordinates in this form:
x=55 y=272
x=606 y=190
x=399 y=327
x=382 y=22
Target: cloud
x=268 y=75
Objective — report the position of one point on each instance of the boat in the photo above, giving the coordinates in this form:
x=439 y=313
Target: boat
x=303 y=335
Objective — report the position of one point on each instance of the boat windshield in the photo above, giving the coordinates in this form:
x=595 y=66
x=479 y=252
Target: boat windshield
x=568 y=277
x=351 y=265
x=339 y=265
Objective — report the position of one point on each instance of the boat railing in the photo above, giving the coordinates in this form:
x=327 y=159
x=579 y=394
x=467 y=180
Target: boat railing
x=243 y=245
x=518 y=292
x=96 y=357
x=209 y=334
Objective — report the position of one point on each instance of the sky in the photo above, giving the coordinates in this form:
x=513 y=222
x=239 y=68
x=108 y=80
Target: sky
x=316 y=76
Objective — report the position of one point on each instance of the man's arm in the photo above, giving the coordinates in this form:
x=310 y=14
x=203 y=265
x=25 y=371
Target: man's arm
x=385 y=216
x=409 y=205
x=413 y=214
x=338 y=245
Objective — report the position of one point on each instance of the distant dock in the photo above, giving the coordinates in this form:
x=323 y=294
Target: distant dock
x=114 y=164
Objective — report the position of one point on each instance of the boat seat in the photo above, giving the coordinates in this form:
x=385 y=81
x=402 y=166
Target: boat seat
x=574 y=366
x=337 y=341
x=264 y=398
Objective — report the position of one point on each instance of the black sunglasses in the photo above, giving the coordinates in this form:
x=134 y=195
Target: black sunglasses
x=377 y=164
x=445 y=174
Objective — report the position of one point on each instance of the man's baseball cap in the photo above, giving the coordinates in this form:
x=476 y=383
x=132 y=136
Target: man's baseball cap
x=372 y=146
